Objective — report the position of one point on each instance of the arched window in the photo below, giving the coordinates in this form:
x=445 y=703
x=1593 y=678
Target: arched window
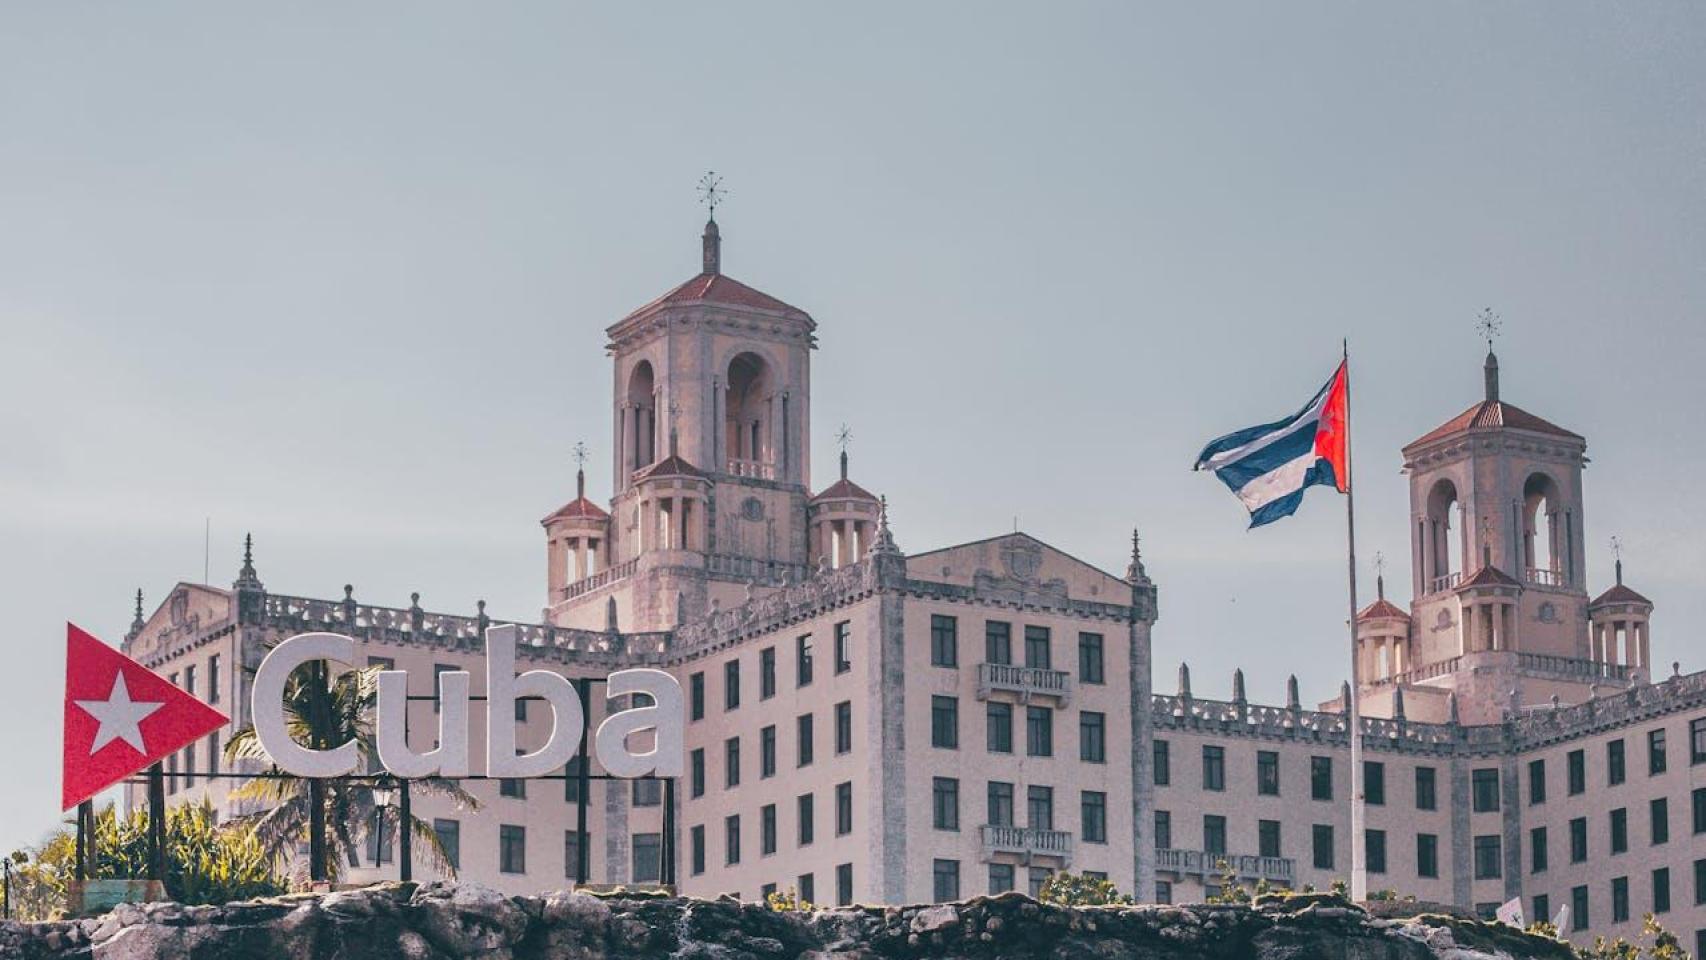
x=1442 y=562
x=1542 y=530
x=642 y=417
x=747 y=425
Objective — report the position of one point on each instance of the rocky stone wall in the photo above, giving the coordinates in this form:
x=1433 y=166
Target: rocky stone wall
x=452 y=922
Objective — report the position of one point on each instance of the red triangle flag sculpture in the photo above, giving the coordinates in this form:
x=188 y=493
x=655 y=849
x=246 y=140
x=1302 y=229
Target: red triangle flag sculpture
x=120 y=717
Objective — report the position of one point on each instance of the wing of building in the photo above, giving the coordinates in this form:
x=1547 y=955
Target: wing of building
x=870 y=725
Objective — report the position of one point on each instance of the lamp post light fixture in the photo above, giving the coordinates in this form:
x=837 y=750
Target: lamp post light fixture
x=387 y=793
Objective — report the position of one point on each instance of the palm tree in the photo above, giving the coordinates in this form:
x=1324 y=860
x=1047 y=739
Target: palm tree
x=320 y=715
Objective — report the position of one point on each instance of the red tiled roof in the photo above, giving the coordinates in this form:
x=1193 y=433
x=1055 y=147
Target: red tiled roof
x=1490 y=414
x=845 y=489
x=1381 y=608
x=716 y=288
x=1489 y=576
x=575 y=509
x=1620 y=594
x=670 y=466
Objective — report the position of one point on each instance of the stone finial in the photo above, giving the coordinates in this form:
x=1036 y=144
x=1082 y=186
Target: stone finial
x=610 y=615
x=136 y=622
x=1292 y=701
x=1345 y=697
x=247 y=579
x=349 y=591
x=1398 y=702
x=1451 y=715
x=1555 y=701
x=349 y=603
x=480 y=615
x=1238 y=685
x=1675 y=665
x=885 y=538
x=1185 y=680
x=1134 y=571
x=417 y=616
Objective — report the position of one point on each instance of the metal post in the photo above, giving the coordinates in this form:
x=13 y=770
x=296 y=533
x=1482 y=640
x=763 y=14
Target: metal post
x=157 y=823
x=405 y=830
x=82 y=844
x=669 y=832
x=584 y=688
x=1353 y=711
x=6 y=897
x=316 y=786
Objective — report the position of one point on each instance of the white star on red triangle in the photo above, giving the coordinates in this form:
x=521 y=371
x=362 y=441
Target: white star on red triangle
x=120 y=716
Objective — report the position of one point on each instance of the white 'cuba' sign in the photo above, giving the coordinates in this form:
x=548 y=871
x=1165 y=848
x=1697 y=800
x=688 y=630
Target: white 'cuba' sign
x=664 y=717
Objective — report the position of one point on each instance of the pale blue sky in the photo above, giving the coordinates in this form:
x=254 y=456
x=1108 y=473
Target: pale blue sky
x=339 y=276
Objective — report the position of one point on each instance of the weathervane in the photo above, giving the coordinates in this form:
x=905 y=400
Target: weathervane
x=711 y=191
x=1488 y=326
x=579 y=453
x=843 y=437
x=1617 y=548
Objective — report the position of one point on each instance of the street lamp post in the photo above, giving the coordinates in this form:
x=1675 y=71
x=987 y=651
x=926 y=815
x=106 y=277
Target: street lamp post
x=388 y=793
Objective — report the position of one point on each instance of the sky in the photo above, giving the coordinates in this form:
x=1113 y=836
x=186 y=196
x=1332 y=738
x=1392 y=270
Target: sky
x=339 y=275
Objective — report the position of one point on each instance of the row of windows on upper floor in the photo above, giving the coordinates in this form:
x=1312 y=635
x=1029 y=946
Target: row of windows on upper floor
x=181 y=766
x=1485 y=788
x=944 y=652
x=1488 y=848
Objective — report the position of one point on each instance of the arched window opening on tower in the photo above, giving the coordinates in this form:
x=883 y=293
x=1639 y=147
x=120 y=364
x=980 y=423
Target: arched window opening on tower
x=1542 y=549
x=749 y=437
x=639 y=428
x=1442 y=563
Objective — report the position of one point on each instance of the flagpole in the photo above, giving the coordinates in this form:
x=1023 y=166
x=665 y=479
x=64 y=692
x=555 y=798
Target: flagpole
x=1359 y=868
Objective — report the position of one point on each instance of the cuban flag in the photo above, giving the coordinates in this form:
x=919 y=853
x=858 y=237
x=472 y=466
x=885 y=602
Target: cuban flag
x=1270 y=466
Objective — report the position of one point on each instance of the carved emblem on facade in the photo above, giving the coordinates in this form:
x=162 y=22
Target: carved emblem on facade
x=1022 y=558
x=752 y=508
x=1548 y=612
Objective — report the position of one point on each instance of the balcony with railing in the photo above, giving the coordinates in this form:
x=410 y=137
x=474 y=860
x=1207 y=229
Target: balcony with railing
x=1208 y=864
x=1027 y=682
x=1543 y=577
x=1027 y=842
x=756 y=469
x=602 y=578
x=1447 y=582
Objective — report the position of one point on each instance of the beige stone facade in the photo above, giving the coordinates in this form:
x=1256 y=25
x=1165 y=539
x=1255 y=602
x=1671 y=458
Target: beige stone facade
x=867 y=724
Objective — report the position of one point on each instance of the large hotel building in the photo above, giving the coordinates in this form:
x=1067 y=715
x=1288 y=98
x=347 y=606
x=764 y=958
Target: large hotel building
x=871 y=725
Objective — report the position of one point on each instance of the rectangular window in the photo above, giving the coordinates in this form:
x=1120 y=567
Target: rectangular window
x=1268 y=838
x=1576 y=765
x=731 y=839
x=945 y=880
x=945 y=722
x=1661 y=890
x=999 y=725
x=1321 y=778
x=511 y=787
x=1620 y=830
x=696 y=849
x=1484 y=783
x=1537 y=850
x=572 y=780
x=1092 y=737
x=844 y=727
x=1213 y=767
x=1427 y=794
x=1542 y=907
x=803 y=661
x=695 y=772
x=213 y=679
x=807 y=887
x=1093 y=810
x=648 y=857
x=1578 y=908
x=520 y=709
x=731 y=685
x=808 y=829
x=1536 y=781
x=1615 y=771
x=1039 y=731
x=696 y=696
x=1376 y=851
x=767 y=751
x=1579 y=840
x=1037 y=653
x=1163 y=830
x=1000 y=804
x=731 y=762
x=512 y=849
x=1374 y=782
x=1323 y=846
x=843 y=808
x=803 y=735
x=1039 y=807
x=843 y=646
x=1655 y=752
x=1697 y=741
x=189 y=679
x=1267 y=773
x=379 y=848
x=767 y=829
x=1214 y=834
x=765 y=892
x=449 y=834
x=213 y=752
x=1658 y=816
x=1699 y=882
x=1619 y=899
x=1427 y=855
x=1163 y=764
x=437 y=686
x=766 y=673
x=944 y=641
x=1163 y=891
x=1488 y=856
x=648 y=793
x=1090 y=658
x=1036 y=878
x=1699 y=796
x=997 y=642
x=1000 y=878
x=945 y=803
x=843 y=884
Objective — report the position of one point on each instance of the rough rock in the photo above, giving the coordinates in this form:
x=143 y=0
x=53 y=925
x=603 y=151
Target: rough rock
x=470 y=922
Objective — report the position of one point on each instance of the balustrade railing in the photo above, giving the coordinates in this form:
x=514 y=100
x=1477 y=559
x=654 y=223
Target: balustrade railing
x=1447 y=582
x=1544 y=577
x=1027 y=842
x=1025 y=681
x=602 y=578
x=757 y=469
x=1207 y=863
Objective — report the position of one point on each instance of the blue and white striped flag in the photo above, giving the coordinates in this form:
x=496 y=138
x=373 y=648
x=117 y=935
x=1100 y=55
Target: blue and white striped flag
x=1270 y=466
